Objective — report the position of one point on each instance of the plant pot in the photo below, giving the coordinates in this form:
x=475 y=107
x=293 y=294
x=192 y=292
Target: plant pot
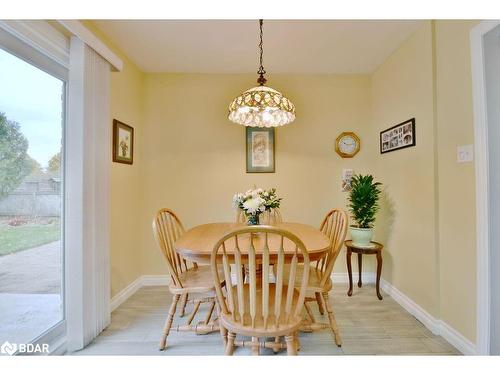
x=361 y=236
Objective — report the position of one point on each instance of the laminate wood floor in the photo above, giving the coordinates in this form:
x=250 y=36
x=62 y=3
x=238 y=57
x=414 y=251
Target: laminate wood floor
x=368 y=327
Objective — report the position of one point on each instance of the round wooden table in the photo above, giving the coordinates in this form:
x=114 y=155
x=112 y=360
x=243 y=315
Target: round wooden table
x=374 y=248
x=198 y=242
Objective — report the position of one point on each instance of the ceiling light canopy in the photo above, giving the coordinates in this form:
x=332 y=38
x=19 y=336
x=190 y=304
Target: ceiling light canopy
x=261 y=106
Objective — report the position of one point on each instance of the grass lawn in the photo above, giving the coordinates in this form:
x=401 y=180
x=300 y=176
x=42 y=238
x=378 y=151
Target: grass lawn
x=17 y=238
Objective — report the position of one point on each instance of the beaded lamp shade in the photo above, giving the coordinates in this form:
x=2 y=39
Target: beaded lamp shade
x=261 y=106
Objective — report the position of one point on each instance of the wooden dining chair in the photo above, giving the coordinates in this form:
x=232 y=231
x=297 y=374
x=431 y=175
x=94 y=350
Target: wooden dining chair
x=187 y=278
x=334 y=226
x=260 y=308
x=272 y=217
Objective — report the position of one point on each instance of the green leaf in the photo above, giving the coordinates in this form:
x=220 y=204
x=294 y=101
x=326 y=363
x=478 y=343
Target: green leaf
x=363 y=200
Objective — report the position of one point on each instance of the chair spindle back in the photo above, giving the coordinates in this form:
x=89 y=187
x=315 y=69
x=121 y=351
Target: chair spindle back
x=251 y=246
x=167 y=228
x=334 y=226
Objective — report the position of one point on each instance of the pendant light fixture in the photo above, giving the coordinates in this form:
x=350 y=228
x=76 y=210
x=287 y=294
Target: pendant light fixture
x=261 y=106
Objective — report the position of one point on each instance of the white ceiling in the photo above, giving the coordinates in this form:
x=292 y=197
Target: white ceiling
x=227 y=46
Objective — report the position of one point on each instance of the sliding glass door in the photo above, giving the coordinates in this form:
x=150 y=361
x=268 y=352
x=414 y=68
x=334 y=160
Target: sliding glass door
x=32 y=115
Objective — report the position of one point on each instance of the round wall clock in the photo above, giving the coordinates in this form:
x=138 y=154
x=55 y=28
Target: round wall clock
x=347 y=144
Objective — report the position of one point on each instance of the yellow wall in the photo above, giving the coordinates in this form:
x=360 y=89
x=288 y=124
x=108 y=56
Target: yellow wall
x=191 y=158
x=195 y=157
x=427 y=221
x=126 y=105
x=402 y=88
x=456 y=181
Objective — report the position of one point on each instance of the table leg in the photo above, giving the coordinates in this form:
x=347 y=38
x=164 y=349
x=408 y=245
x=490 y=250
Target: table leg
x=349 y=270
x=379 y=272
x=360 y=263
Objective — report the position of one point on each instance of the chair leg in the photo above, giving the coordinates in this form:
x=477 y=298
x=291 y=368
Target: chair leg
x=291 y=347
x=297 y=341
x=193 y=313
x=230 y=343
x=255 y=347
x=210 y=312
x=168 y=322
x=331 y=318
x=320 y=303
x=223 y=330
x=309 y=312
x=184 y=301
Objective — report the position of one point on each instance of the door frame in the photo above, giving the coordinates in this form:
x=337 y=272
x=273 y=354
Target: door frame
x=482 y=186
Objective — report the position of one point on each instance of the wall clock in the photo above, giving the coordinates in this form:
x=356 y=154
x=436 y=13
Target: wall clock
x=347 y=144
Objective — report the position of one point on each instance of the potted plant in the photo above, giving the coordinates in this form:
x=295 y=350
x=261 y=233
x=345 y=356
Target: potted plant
x=254 y=202
x=363 y=205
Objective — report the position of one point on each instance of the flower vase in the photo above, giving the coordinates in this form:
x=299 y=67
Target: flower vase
x=252 y=219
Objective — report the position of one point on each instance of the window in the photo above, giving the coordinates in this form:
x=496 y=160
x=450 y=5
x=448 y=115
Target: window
x=32 y=117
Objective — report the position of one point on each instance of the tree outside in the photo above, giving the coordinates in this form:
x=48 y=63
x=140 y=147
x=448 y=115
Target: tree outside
x=21 y=232
x=15 y=163
x=36 y=168
x=55 y=163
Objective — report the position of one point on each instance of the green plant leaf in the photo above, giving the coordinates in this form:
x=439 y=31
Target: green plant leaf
x=363 y=200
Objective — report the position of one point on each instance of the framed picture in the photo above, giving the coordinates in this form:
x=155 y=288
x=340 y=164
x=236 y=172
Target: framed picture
x=399 y=136
x=123 y=143
x=347 y=175
x=260 y=150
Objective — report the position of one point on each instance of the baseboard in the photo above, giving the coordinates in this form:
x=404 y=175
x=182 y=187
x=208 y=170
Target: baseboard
x=436 y=326
x=456 y=339
x=134 y=286
x=343 y=277
x=125 y=294
x=155 y=280
x=411 y=306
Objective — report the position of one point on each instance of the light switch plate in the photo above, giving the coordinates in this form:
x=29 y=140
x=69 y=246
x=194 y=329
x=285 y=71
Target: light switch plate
x=465 y=154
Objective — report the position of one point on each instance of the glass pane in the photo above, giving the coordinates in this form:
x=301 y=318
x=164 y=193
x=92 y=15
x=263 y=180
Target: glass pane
x=31 y=133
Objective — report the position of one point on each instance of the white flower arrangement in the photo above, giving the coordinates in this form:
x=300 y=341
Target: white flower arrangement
x=256 y=201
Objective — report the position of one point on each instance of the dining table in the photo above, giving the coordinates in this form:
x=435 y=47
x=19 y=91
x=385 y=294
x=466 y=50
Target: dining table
x=196 y=244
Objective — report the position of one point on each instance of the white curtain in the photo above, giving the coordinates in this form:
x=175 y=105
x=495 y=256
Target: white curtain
x=87 y=165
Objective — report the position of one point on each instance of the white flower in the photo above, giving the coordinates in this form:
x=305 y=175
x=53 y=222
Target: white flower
x=253 y=205
x=236 y=200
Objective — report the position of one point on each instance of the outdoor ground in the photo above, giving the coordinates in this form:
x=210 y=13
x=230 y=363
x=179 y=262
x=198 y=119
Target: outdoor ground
x=18 y=233
x=30 y=287
x=23 y=317
x=36 y=270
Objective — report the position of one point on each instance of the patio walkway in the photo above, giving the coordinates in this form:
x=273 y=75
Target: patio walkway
x=30 y=286
x=24 y=317
x=36 y=270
